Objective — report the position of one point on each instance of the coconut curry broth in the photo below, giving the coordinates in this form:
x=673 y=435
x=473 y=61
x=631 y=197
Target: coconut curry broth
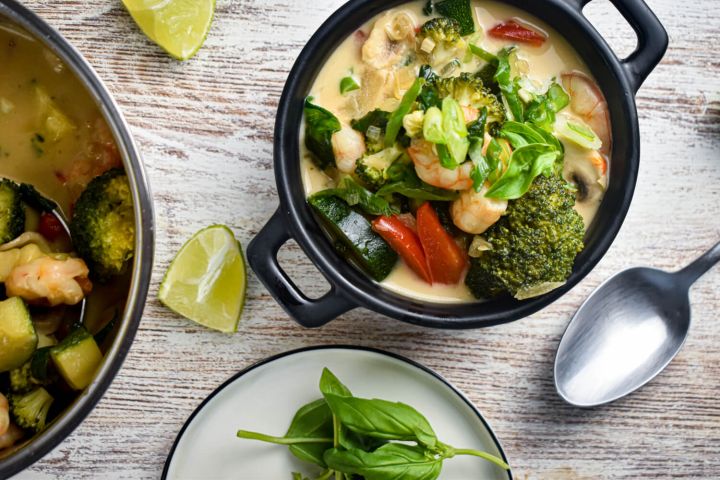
x=53 y=137
x=52 y=134
x=543 y=64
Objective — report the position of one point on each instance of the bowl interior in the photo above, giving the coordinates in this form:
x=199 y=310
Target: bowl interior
x=603 y=64
x=131 y=290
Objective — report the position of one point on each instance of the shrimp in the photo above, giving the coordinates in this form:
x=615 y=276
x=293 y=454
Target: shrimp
x=430 y=171
x=389 y=40
x=9 y=438
x=587 y=101
x=50 y=281
x=4 y=415
x=348 y=145
x=474 y=213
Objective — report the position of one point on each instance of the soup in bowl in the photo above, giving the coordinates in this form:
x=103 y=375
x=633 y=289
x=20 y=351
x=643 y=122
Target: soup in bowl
x=75 y=239
x=457 y=154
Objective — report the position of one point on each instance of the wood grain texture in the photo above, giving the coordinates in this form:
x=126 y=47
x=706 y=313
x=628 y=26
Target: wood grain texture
x=205 y=129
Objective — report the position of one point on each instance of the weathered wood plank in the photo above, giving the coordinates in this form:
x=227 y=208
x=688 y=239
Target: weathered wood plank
x=205 y=128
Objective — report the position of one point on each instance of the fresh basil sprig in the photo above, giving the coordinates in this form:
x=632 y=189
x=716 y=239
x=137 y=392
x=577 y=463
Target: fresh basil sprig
x=350 y=436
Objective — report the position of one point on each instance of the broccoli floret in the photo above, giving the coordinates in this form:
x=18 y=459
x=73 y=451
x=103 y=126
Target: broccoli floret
x=441 y=40
x=372 y=170
x=12 y=214
x=21 y=379
x=372 y=125
x=103 y=224
x=29 y=410
x=535 y=243
x=469 y=91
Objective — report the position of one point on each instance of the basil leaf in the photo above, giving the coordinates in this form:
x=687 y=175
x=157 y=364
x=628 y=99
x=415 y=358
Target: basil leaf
x=389 y=462
x=541 y=110
x=348 y=84
x=521 y=134
x=382 y=419
x=349 y=439
x=355 y=194
x=320 y=125
x=377 y=118
x=509 y=87
x=526 y=163
x=313 y=420
x=329 y=383
x=395 y=121
x=404 y=181
x=460 y=11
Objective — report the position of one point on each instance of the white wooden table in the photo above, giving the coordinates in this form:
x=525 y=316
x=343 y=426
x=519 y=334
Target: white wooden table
x=205 y=129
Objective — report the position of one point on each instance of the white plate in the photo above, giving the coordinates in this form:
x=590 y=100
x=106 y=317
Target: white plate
x=264 y=398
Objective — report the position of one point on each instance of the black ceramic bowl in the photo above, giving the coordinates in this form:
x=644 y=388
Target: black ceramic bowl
x=619 y=80
x=73 y=415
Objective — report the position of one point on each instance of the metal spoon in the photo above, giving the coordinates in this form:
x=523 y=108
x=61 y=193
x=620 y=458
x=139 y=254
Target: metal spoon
x=626 y=332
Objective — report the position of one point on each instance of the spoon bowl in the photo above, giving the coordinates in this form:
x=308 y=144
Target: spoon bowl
x=626 y=333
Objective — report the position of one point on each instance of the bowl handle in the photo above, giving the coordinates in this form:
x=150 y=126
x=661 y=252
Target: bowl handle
x=262 y=257
x=652 y=39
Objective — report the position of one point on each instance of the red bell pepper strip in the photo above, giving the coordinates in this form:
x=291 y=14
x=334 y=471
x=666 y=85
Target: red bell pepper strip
x=511 y=30
x=50 y=227
x=446 y=261
x=405 y=242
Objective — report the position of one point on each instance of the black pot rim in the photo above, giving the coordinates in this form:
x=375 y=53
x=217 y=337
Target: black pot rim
x=351 y=288
x=67 y=421
x=278 y=356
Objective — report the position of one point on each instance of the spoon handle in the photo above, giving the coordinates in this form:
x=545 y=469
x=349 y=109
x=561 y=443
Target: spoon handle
x=697 y=268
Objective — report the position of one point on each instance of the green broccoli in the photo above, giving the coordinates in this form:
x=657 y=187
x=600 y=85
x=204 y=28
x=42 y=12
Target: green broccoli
x=469 y=91
x=103 y=224
x=29 y=410
x=12 y=213
x=21 y=379
x=372 y=125
x=441 y=40
x=534 y=244
x=372 y=169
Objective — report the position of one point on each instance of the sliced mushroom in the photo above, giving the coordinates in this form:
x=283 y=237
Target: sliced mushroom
x=389 y=40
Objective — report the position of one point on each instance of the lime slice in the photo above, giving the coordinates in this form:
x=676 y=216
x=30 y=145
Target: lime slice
x=206 y=280
x=178 y=26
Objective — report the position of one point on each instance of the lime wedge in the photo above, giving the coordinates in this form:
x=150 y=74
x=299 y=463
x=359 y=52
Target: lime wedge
x=178 y=26
x=206 y=280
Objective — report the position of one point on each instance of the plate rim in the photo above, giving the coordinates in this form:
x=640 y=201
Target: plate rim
x=296 y=351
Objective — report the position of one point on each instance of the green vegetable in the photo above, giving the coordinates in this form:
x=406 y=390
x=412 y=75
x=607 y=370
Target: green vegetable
x=382 y=419
x=29 y=410
x=470 y=91
x=17 y=334
x=455 y=132
x=12 y=214
x=542 y=109
x=320 y=125
x=77 y=358
x=458 y=10
x=509 y=86
x=482 y=53
x=348 y=84
x=534 y=243
x=21 y=380
x=579 y=133
x=372 y=125
x=39 y=363
x=355 y=194
x=355 y=236
x=394 y=123
x=440 y=41
x=103 y=224
x=403 y=180
x=372 y=170
x=363 y=438
x=389 y=462
x=526 y=163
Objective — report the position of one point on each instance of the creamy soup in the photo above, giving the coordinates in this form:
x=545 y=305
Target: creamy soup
x=54 y=144
x=563 y=113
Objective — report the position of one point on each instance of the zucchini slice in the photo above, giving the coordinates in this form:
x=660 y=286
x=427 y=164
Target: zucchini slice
x=18 y=339
x=354 y=235
x=77 y=358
